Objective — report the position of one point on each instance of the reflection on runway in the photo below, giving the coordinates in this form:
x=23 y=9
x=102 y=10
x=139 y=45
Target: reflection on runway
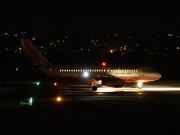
x=27 y=96
x=160 y=89
x=160 y=86
x=152 y=108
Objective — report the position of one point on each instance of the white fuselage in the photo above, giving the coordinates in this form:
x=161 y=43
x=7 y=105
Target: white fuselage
x=127 y=73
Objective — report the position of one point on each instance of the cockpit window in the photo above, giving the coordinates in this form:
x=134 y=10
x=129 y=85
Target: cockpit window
x=151 y=70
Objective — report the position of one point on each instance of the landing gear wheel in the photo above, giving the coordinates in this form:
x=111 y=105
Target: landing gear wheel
x=94 y=88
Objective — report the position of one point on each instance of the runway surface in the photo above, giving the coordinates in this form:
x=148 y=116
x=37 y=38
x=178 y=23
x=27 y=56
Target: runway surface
x=55 y=110
x=17 y=92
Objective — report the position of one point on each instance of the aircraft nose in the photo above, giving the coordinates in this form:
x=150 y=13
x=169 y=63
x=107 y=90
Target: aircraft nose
x=159 y=75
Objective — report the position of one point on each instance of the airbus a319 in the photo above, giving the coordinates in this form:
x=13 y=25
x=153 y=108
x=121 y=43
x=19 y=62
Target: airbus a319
x=95 y=76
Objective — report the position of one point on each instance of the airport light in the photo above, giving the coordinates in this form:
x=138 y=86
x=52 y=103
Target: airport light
x=37 y=83
x=58 y=99
x=111 y=51
x=55 y=84
x=30 y=101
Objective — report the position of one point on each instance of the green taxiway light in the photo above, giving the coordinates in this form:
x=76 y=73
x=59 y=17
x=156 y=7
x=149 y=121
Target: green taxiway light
x=37 y=83
x=30 y=101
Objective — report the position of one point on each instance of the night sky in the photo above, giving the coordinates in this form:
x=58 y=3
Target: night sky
x=55 y=17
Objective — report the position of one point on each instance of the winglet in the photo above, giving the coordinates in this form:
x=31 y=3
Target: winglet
x=33 y=53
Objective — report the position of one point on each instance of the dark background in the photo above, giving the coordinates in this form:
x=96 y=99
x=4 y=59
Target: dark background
x=50 y=18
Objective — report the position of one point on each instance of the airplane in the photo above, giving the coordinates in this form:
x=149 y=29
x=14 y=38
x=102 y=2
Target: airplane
x=95 y=76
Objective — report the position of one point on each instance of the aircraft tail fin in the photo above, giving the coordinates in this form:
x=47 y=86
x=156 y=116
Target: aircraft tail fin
x=33 y=53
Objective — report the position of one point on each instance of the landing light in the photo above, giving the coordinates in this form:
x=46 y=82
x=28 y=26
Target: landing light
x=139 y=84
x=99 y=82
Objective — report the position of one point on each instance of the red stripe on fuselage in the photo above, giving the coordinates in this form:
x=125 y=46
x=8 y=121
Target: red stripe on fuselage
x=144 y=79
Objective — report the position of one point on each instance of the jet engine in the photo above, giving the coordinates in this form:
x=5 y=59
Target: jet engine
x=113 y=82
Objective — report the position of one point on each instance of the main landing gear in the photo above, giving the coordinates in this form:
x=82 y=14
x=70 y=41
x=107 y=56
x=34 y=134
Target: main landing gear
x=94 y=88
x=95 y=84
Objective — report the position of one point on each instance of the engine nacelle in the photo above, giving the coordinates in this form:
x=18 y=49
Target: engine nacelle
x=113 y=82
